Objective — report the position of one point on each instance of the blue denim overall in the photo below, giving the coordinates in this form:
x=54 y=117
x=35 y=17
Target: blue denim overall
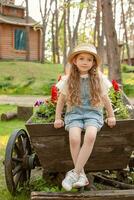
x=84 y=115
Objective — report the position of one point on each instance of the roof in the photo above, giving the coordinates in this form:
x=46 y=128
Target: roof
x=18 y=21
x=12 y=5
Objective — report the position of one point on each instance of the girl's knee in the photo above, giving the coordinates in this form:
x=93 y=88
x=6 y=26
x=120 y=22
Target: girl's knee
x=90 y=137
x=74 y=141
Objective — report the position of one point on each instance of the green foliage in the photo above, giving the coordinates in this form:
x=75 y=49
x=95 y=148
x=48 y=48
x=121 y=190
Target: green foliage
x=127 y=68
x=8 y=78
x=119 y=107
x=39 y=184
x=128 y=89
x=46 y=110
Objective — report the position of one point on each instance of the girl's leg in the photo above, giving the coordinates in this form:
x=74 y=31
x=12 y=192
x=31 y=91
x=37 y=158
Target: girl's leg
x=86 y=149
x=75 y=141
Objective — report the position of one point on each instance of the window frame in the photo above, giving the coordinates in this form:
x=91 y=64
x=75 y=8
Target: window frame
x=18 y=50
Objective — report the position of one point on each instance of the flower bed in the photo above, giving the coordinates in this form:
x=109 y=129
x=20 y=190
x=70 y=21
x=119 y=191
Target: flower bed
x=44 y=111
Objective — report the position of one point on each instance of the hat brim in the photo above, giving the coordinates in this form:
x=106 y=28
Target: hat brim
x=72 y=55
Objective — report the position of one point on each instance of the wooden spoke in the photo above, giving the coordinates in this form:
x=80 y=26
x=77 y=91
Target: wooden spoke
x=17 y=159
x=20 y=143
x=24 y=144
x=17 y=178
x=17 y=169
x=16 y=148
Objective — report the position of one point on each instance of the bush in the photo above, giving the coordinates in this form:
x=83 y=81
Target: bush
x=128 y=89
x=127 y=68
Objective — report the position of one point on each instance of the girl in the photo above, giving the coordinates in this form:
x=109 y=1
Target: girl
x=85 y=93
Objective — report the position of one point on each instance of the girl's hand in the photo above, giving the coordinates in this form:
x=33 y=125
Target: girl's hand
x=111 y=121
x=58 y=123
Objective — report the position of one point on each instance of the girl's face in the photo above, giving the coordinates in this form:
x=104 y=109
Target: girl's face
x=84 y=62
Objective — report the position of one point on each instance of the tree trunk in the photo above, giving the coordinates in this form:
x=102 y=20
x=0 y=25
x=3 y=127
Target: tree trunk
x=126 y=35
x=65 y=37
x=114 y=11
x=56 y=34
x=27 y=33
x=43 y=42
x=53 y=40
x=45 y=18
x=97 y=24
x=73 y=41
x=112 y=44
x=68 y=24
x=8 y=116
x=99 y=32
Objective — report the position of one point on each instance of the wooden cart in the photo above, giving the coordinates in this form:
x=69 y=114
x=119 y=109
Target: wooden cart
x=112 y=151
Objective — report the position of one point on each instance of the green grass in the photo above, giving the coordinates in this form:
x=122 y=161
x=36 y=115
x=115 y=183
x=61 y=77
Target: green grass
x=127 y=79
x=32 y=78
x=6 y=129
x=18 y=77
x=128 y=83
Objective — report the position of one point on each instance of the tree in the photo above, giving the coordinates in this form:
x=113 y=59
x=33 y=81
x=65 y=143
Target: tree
x=99 y=32
x=45 y=18
x=126 y=35
x=112 y=44
x=27 y=33
x=55 y=33
x=65 y=35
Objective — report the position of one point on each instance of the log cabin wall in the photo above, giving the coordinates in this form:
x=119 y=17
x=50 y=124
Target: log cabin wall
x=35 y=44
x=7 y=50
x=14 y=12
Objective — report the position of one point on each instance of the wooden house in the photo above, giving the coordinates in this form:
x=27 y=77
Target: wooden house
x=13 y=33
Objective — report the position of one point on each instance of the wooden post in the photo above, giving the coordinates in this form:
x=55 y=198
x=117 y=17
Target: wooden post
x=24 y=112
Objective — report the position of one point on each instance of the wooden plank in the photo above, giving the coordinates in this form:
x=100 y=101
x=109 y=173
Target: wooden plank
x=55 y=150
x=91 y=195
x=42 y=130
x=102 y=141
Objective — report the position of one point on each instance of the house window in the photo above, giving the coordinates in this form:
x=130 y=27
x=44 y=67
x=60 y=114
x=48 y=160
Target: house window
x=20 y=39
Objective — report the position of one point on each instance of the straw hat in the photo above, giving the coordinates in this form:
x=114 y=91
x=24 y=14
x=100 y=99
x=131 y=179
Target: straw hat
x=84 y=48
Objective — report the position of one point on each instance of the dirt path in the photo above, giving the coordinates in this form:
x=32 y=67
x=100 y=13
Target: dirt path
x=20 y=100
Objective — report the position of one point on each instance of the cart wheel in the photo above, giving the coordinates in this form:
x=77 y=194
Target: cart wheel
x=17 y=171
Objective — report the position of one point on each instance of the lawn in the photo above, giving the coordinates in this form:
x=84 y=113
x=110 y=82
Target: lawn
x=32 y=78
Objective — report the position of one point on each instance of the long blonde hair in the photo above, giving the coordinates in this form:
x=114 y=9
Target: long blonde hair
x=73 y=95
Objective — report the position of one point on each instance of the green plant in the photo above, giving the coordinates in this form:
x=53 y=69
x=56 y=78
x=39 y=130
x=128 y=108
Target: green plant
x=128 y=89
x=115 y=94
x=127 y=68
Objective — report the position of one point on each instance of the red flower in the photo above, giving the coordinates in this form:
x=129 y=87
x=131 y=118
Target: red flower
x=54 y=93
x=115 y=85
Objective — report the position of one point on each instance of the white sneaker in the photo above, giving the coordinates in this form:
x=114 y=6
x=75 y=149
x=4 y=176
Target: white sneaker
x=70 y=178
x=82 y=181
